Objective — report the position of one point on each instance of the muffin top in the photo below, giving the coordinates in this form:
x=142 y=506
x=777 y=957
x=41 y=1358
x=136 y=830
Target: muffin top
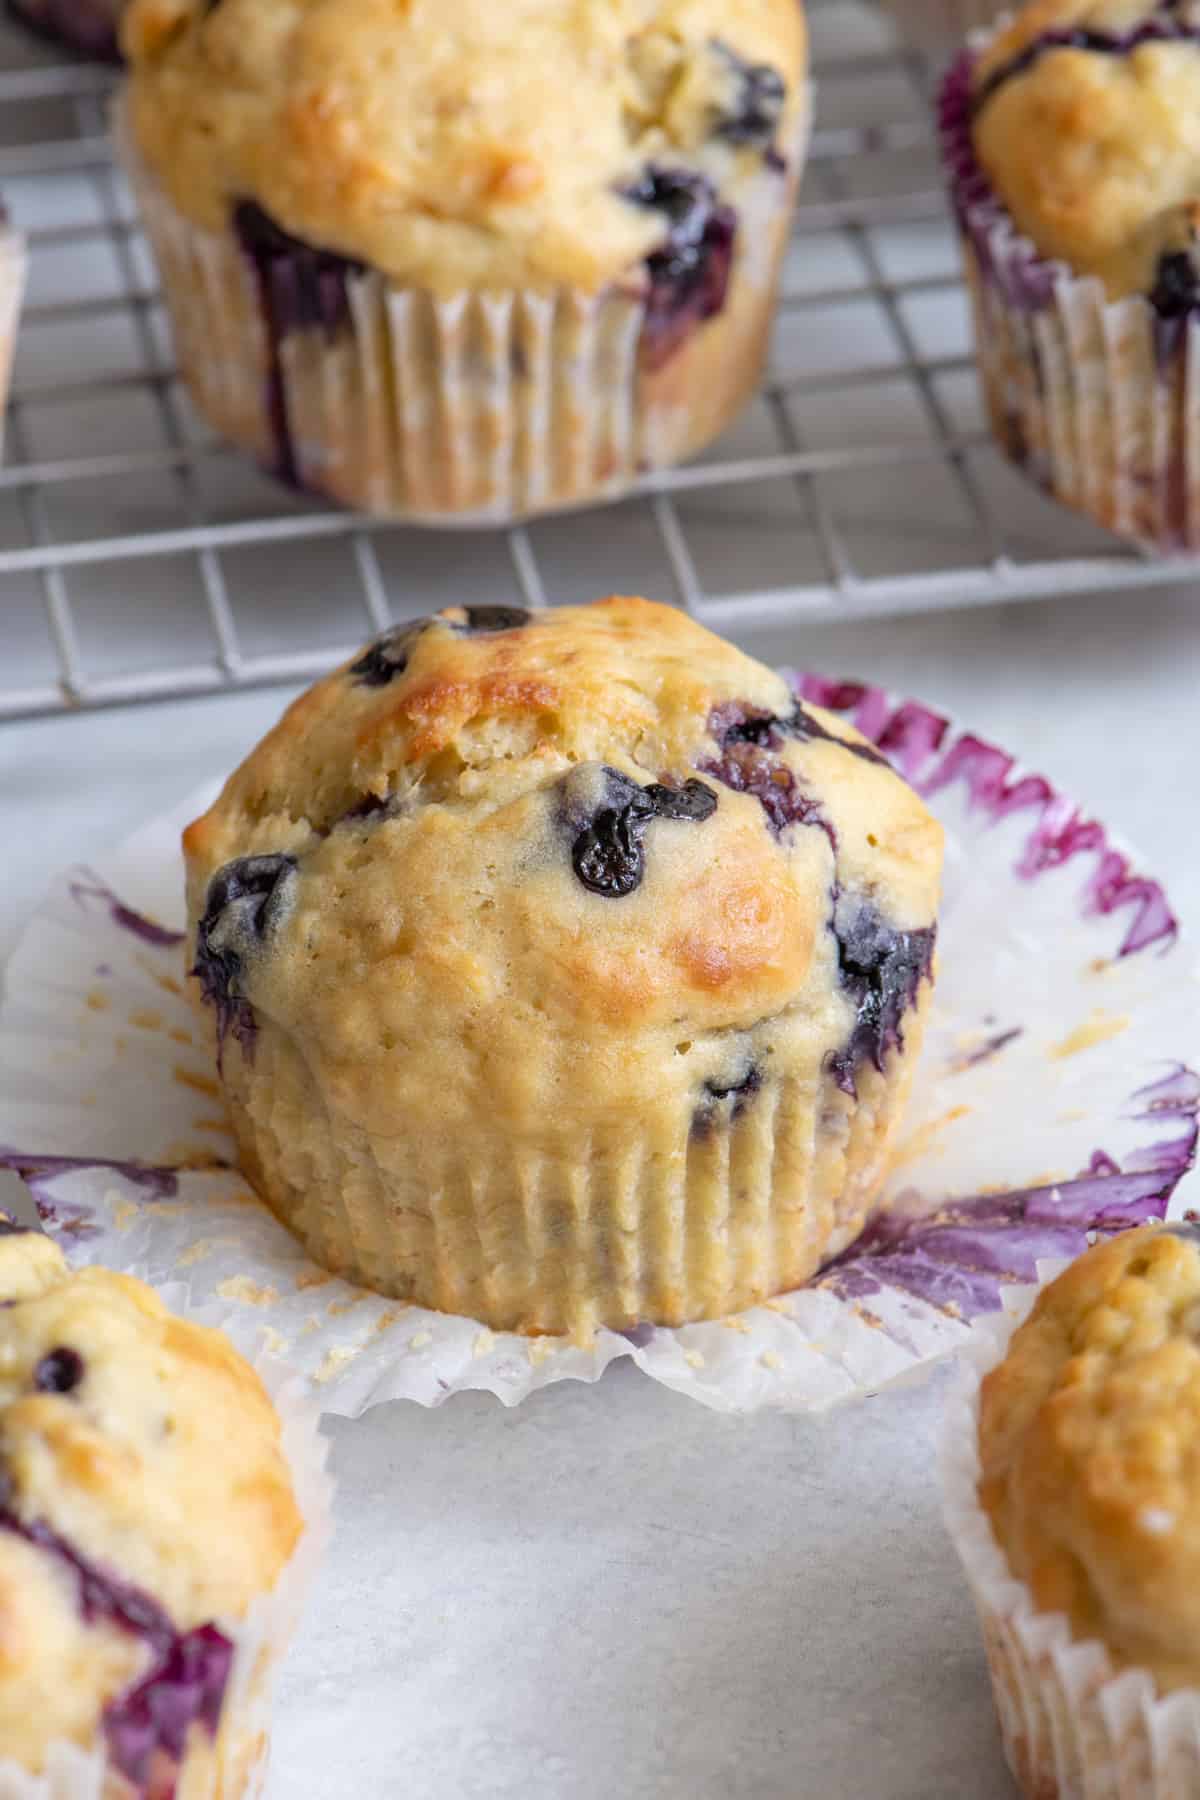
x=143 y=1496
x=1090 y=1450
x=457 y=143
x=1087 y=123
x=525 y=872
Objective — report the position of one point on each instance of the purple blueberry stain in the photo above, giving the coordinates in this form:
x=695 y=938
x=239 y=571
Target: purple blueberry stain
x=87 y=886
x=60 y=1371
x=688 y=274
x=712 y=1111
x=608 y=852
x=301 y=287
x=243 y=907
x=749 y=742
x=882 y=970
x=385 y=659
x=188 y=1673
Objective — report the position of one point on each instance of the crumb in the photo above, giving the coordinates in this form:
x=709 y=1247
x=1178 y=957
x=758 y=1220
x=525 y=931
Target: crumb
x=240 y=1287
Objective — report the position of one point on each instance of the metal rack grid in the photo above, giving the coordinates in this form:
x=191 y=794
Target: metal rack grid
x=140 y=558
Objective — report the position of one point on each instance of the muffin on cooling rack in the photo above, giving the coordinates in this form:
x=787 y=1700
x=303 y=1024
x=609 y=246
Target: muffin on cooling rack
x=1076 y=183
x=89 y=26
x=1073 y=1494
x=565 y=969
x=149 y=1533
x=458 y=259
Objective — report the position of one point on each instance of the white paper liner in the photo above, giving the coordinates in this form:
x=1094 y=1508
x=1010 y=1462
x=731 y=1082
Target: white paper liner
x=238 y=1769
x=1053 y=1099
x=1098 y=401
x=14 y=264
x=477 y=408
x=1071 y=1725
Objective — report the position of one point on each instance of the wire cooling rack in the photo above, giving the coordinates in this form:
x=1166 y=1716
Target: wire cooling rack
x=141 y=558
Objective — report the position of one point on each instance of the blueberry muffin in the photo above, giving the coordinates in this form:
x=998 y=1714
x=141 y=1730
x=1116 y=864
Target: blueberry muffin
x=89 y=26
x=145 y=1504
x=564 y=969
x=458 y=259
x=1076 y=181
x=1087 y=1498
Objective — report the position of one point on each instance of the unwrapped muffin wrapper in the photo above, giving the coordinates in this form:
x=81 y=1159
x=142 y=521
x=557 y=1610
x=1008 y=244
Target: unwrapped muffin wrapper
x=1098 y=401
x=472 y=409
x=1066 y=1000
x=1072 y=1725
x=238 y=1769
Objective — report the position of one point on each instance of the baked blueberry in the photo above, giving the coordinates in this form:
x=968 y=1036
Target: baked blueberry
x=243 y=905
x=387 y=656
x=754 y=107
x=1176 y=289
x=688 y=275
x=496 y=618
x=59 y=1371
x=608 y=855
x=882 y=970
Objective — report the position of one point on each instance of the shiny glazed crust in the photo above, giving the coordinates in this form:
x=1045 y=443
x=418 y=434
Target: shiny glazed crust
x=1090 y=1452
x=160 y=1466
x=1094 y=146
x=465 y=1077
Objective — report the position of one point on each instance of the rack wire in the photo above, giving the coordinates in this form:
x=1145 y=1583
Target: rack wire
x=140 y=558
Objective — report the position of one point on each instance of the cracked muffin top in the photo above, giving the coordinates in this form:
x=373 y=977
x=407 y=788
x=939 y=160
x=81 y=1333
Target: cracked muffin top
x=456 y=143
x=1090 y=1450
x=516 y=872
x=133 y=1446
x=1087 y=125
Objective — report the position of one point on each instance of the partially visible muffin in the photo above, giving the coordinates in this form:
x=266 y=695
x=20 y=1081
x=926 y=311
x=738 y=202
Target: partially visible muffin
x=1075 y=170
x=566 y=970
x=1078 y=1521
x=449 y=258
x=145 y=1505
x=1089 y=1436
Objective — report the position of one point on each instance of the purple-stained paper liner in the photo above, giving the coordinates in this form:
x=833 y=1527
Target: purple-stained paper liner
x=1070 y=1723
x=1097 y=400
x=1055 y=1101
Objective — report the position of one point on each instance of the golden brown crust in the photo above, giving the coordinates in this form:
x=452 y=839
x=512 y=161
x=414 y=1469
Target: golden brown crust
x=1096 y=155
x=1090 y=1451
x=162 y=1467
x=439 y=990
x=449 y=143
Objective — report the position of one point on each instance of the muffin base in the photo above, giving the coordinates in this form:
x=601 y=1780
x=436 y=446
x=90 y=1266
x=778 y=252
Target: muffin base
x=233 y=1765
x=1072 y=1725
x=696 y=1222
x=479 y=408
x=1098 y=401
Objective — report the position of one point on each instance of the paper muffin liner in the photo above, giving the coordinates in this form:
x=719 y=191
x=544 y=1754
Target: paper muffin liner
x=13 y=269
x=1072 y=1725
x=233 y=1765
x=691 y=1220
x=1098 y=401
x=89 y=26
x=1053 y=1100
x=477 y=408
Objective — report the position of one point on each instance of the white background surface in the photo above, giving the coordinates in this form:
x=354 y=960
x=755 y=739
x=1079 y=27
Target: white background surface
x=610 y=1591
